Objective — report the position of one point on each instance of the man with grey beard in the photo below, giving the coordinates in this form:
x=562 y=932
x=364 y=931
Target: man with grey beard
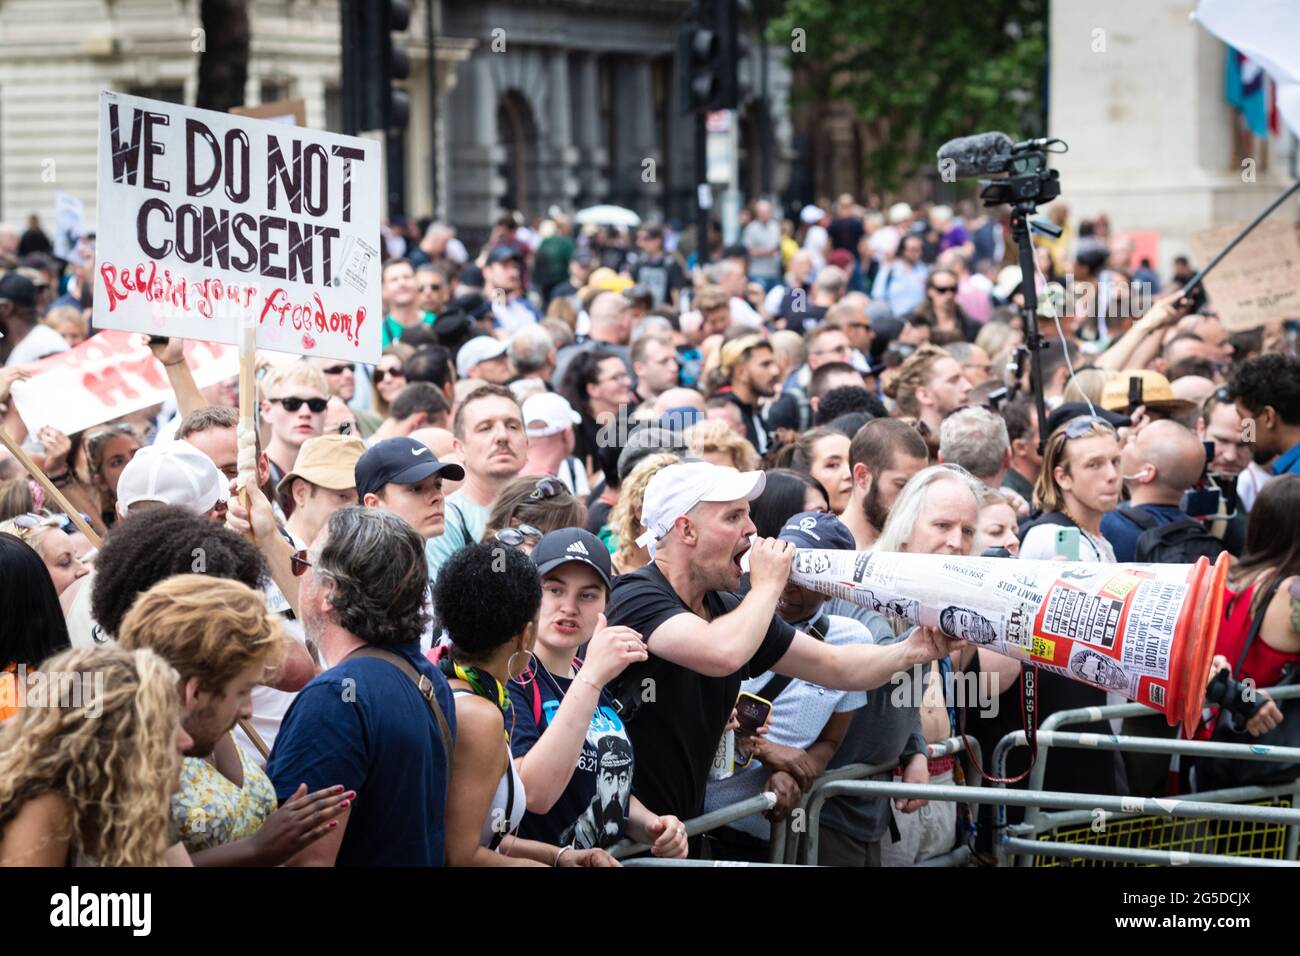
x=380 y=718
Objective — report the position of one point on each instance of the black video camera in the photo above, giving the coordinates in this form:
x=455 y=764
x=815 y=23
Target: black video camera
x=1234 y=697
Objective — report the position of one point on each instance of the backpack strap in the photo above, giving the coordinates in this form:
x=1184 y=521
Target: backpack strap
x=422 y=684
x=1140 y=517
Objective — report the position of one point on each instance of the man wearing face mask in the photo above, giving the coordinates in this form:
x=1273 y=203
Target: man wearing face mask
x=1162 y=462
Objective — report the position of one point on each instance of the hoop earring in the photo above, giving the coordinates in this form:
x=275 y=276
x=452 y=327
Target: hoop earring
x=528 y=669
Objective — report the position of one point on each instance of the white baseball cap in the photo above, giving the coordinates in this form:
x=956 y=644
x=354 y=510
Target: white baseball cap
x=483 y=348
x=553 y=412
x=811 y=214
x=171 y=473
x=677 y=489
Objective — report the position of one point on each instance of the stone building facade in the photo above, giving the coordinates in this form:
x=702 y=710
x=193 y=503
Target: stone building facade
x=541 y=102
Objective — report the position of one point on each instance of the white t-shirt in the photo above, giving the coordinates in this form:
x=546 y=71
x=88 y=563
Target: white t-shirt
x=1040 y=545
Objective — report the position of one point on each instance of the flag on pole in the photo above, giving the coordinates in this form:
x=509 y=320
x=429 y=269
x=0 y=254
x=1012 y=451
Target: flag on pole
x=1264 y=35
x=1246 y=90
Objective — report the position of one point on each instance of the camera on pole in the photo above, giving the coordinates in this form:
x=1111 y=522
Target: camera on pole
x=1026 y=183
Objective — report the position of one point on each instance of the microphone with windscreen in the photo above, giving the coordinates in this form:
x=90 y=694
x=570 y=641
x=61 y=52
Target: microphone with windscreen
x=977 y=155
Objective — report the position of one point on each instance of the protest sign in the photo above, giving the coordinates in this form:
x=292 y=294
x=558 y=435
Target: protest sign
x=1257 y=281
x=208 y=222
x=107 y=376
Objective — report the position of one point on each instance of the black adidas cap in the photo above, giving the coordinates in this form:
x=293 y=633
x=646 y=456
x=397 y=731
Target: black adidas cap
x=572 y=544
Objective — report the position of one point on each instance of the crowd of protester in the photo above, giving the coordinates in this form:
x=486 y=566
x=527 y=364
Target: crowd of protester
x=492 y=600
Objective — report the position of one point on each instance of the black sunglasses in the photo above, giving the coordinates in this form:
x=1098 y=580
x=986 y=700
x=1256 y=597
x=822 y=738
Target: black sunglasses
x=432 y=288
x=382 y=373
x=339 y=369
x=293 y=403
x=547 y=488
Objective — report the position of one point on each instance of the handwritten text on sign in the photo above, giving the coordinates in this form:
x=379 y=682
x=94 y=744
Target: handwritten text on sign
x=107 y=376
x=1257 y=281
x=209 y=222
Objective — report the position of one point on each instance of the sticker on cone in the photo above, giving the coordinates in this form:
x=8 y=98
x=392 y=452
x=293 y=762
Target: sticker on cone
x=1146 y=631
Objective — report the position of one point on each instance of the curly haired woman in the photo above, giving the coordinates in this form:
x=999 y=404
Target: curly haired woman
x=92 y=783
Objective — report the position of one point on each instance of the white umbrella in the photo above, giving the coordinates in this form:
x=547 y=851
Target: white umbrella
x=607 y=215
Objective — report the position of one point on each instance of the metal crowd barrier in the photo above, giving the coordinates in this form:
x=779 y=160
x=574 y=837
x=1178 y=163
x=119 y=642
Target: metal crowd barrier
x=1141 y=815
x=1019 y=844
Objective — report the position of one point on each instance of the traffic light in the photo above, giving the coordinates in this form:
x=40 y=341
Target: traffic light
x=373 y=61
x=395 y=63
x=709 y=50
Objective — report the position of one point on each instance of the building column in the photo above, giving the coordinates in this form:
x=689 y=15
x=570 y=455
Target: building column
x=637 y=137
x=558 y=173
x=592 y=160
x=474 y=194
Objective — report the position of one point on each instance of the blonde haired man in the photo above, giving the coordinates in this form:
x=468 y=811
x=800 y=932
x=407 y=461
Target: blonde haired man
x=294 y=397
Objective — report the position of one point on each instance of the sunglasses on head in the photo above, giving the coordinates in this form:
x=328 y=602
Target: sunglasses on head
x=382 y=373
x=547 y=488
x=1083 y=425
x=339 y=369
x=514 y=537
x=293 y=403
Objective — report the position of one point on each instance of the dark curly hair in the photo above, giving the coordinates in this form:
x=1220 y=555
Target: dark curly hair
x=847 y=399
x=486 y=594
x=1271 y=379
x=153 y=545
x=373 y=562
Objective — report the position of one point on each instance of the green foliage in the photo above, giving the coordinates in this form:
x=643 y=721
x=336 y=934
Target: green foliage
x=920 y=73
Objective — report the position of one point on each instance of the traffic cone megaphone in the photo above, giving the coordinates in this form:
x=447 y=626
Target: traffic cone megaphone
x=1146 y=631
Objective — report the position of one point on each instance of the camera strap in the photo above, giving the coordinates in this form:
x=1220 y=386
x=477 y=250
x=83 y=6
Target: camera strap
x=1028 y=717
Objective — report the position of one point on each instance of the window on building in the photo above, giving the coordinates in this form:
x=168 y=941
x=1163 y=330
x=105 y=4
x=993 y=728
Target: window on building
x=272 y=91
x=334 y=109
x=167 y=92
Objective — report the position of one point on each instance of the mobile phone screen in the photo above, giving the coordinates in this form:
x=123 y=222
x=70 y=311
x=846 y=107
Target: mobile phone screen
x=751 y=712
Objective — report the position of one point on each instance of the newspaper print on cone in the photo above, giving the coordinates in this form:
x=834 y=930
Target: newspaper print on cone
x=1146 y=631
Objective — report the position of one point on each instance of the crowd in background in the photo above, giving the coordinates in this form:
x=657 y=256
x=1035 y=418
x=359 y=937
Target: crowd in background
x=545 y=541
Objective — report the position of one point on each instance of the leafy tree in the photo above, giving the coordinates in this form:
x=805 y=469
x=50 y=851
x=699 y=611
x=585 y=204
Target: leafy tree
x=920 y=73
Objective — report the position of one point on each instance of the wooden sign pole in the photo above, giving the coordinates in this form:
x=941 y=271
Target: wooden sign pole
x=50 y=490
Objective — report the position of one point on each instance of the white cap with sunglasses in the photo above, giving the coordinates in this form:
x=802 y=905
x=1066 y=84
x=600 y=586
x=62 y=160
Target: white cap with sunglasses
x=173 y=473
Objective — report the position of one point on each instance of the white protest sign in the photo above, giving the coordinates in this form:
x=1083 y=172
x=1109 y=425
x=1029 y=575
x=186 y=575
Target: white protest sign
x=1257 y=281
x=107 y=376
x=208 y=222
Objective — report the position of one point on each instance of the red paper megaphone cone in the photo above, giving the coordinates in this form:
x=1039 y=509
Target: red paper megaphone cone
x=1146 y=631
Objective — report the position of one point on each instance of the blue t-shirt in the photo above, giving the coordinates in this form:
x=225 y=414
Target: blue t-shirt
x=593 y=809
x=364 y=725
x=1123 y=534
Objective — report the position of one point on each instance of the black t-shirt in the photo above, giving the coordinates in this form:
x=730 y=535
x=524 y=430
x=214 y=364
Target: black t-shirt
x=682 y=715
x=755 y=427
x=593 y=809
x=1069 y=769
x=661 y=276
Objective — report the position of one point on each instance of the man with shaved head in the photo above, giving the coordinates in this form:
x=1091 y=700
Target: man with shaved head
x=1163 y=461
